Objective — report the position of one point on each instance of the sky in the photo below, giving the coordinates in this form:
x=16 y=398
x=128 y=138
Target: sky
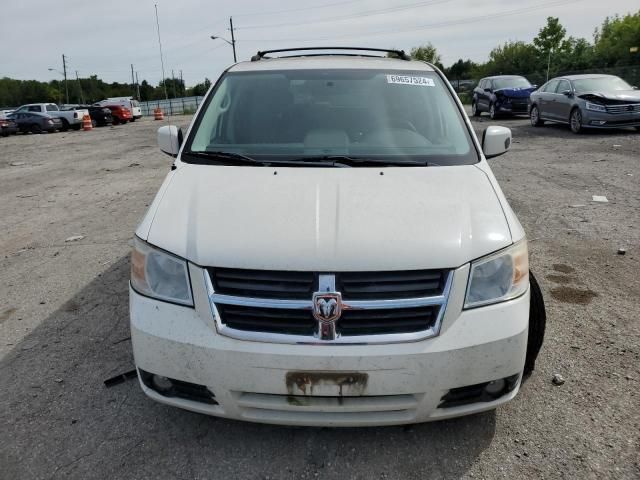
x=105 y=38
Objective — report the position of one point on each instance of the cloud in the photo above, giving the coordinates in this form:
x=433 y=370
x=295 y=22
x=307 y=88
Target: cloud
x=105 y=38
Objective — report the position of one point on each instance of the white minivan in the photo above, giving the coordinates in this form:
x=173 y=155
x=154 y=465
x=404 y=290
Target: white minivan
x=127 y=102
x=331 y=248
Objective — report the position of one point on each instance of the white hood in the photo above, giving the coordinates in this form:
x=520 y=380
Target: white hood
x=327 y=219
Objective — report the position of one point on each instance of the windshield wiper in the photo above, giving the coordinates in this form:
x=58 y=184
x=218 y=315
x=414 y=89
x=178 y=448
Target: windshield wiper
x=239 y=158
x=347 y=161
x=339 y=161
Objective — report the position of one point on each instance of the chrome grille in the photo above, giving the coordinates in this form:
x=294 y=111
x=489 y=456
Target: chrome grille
x=377 y=307
x=262 y=283
x=620 y=109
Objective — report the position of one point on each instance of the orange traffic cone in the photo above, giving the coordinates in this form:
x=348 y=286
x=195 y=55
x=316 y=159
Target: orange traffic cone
x=157 y=114
x=86 y=123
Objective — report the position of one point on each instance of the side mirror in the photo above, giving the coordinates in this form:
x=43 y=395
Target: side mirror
x=495 y=141
x=567 y=93
x=170 y=139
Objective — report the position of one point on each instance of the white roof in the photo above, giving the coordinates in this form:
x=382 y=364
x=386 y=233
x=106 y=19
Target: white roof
x=331 y=61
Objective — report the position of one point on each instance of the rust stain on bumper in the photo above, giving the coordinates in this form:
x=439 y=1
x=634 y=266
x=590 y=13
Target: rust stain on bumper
x=303 y=383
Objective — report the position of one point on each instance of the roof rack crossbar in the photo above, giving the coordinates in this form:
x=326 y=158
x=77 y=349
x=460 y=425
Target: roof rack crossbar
x=263 y=53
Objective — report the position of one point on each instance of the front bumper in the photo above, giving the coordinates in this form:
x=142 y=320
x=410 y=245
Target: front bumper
x=9 y=130
x=593 y=119
x=514 y=108
x=403 y=383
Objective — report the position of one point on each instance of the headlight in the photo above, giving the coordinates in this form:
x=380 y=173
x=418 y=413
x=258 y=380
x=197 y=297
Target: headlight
x=498 y=277
x=158 y=274
x=596 y=107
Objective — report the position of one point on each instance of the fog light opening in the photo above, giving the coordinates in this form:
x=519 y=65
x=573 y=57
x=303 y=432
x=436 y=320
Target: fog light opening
x=174 y=388
x=597 y=122
x=496 y=388
x=161 y=384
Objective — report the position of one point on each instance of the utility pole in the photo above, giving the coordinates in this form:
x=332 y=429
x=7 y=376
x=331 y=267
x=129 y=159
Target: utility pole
x=181 y=84
x=80 y=87
x=138 y=87
x=164 y=83
x=64 y=69
x=548 y=64
x=233 y=40
x=133 y=81
x=173 y=80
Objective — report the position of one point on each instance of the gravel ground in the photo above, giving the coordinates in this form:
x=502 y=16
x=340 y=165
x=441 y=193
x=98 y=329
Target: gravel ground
x=64 y=328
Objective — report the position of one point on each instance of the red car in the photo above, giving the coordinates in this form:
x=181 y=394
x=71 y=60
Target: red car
x=120 y=114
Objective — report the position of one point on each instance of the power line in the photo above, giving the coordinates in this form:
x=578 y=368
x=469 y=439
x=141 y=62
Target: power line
x=370 y=13
x=302 y=9
x=416 y=28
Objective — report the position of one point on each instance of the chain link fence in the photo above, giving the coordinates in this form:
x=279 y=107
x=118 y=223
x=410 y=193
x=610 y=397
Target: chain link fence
x=173 y=106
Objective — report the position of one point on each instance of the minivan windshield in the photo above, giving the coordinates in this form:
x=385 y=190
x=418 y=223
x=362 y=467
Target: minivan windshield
x=601 y=84
x=299 y=116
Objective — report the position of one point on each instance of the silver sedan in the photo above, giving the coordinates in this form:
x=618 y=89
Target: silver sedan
x=586 y=101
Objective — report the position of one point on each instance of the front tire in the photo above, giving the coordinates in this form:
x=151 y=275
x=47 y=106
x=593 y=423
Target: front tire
x=534 y=116
x=492 y=111
x=537 y=325
x=475 y=111
x=65 y=125
x=575 y=120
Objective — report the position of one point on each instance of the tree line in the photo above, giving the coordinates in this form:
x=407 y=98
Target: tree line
x=615 y=46
x=90 y=90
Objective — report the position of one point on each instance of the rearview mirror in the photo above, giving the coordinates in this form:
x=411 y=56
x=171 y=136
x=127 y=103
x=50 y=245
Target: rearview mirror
x=170 y=139
x=495 y=141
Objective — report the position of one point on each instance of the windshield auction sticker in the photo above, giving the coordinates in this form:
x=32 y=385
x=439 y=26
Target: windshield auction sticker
x=407 y=80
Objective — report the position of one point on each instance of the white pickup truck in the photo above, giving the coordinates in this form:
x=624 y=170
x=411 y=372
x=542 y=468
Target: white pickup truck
x=70 y=119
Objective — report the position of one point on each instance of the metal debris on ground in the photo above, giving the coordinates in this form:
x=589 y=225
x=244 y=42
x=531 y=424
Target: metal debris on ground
x=557 y=379
x=74 y=238
x=622 y=251
x=600 y=198
x=121 y=378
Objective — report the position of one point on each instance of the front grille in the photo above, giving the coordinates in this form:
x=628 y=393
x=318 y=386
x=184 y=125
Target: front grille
x=351 y=323
x=262 y=283
x=621 y=109
x=395 y=320
x=270 y=320
x=390 y=285
x=353 y=285
x=257 y=304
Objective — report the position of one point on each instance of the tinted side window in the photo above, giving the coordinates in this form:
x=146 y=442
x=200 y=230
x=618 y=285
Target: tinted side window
x=482 y=83
x=562 y=86
x=551 y=86
x=52 y=108
x=34 y=108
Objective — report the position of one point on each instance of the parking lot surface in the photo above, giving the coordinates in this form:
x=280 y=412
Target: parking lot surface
x=69 y=203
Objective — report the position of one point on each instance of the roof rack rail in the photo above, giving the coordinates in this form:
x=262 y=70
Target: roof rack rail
x=263 y=53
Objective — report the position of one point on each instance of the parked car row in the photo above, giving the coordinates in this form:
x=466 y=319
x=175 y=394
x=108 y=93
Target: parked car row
x=49 y=117
x=580 y=101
